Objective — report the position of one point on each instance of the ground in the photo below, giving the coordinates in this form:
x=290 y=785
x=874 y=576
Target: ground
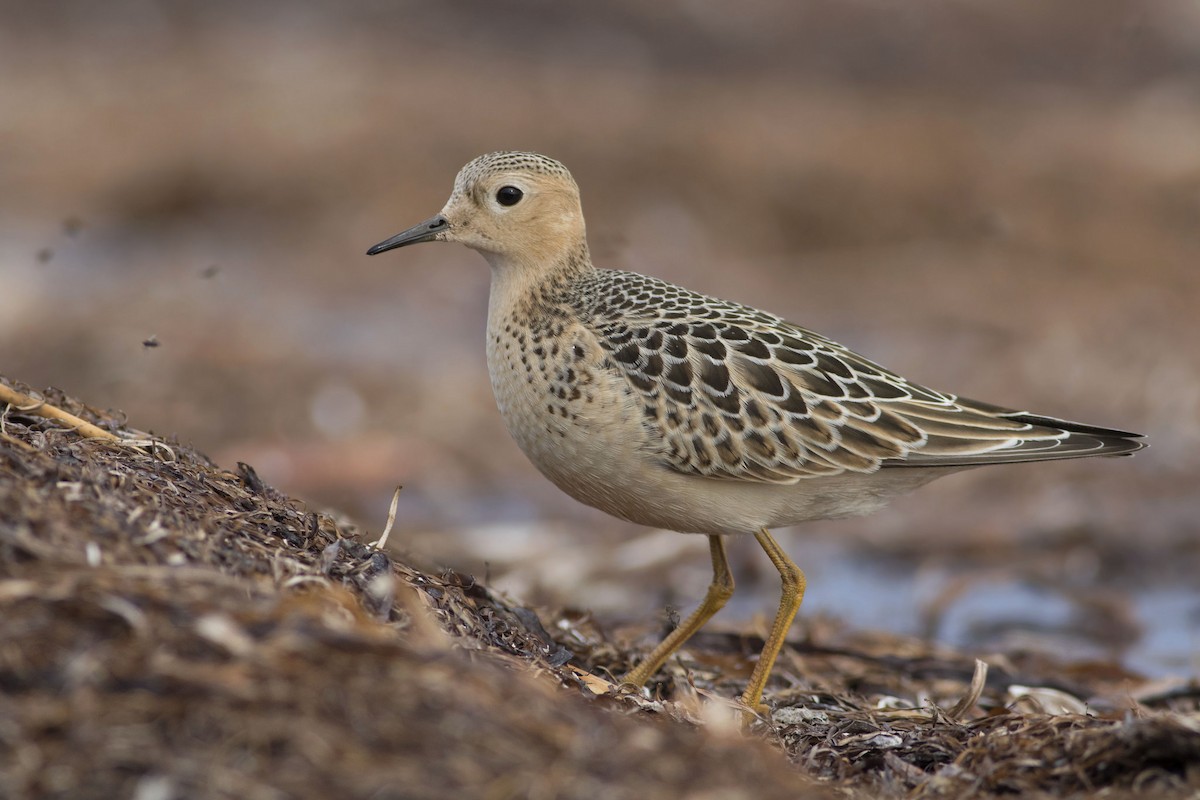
x=174 y=628
x=996 y=199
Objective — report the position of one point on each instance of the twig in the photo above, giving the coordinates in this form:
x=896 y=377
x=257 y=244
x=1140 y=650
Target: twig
x=27 y=405
x=390 y=521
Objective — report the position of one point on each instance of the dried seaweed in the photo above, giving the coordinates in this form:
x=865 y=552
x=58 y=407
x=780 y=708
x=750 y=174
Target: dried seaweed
x=172 y=629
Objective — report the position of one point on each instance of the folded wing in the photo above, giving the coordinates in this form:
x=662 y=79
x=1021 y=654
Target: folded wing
x=732 y=392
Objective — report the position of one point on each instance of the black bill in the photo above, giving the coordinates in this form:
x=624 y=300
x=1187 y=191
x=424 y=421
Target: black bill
x=426 y=231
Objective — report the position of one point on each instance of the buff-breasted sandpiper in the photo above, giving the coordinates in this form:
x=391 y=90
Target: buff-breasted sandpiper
x=671 y=409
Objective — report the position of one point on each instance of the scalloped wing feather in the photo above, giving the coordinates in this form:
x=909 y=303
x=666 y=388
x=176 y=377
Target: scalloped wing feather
x=735 y=393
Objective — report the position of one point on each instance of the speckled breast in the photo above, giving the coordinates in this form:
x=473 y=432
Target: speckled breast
x=575 y=419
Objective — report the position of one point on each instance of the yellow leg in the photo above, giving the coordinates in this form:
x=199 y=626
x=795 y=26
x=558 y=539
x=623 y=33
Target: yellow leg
x=789 y=604
x=719 y=592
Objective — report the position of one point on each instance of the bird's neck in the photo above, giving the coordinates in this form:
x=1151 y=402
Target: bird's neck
x=522 y=286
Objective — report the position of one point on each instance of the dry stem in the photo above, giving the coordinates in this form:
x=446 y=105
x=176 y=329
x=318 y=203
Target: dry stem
x=28 y=405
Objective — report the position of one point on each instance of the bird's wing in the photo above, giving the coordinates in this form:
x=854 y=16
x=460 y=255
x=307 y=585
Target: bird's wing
x=732 y=392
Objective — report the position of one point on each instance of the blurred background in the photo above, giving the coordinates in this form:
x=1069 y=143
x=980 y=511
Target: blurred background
x=997 y=199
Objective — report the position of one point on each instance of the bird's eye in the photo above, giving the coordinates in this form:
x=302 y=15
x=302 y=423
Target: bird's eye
x=509 y=195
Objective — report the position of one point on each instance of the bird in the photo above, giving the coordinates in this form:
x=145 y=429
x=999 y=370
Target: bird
x=672 y=409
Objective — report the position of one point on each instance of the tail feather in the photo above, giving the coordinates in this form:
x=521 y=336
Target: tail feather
x=1042 y=438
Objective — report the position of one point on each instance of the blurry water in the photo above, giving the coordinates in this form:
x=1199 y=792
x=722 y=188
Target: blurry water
x=994 y=612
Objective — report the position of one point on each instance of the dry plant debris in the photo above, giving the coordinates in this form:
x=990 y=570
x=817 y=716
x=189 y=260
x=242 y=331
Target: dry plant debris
x=172 y=629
